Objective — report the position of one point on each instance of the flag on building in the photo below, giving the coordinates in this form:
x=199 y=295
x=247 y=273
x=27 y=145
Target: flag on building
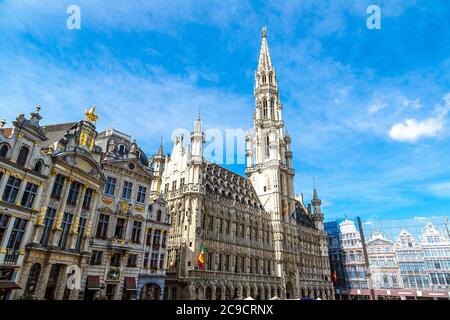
x=201 y=257
x=334 y=277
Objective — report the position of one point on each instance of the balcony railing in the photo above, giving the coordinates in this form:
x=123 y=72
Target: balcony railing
x=11 y=256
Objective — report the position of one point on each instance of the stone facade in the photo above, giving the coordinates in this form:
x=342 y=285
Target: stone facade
x=59 y=213
x=24 y=172
x=383 y=262
x=260 y=240
x=63 y=228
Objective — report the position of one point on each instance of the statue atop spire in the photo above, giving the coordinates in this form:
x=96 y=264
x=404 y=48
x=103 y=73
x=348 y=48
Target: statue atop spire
x=90 y=115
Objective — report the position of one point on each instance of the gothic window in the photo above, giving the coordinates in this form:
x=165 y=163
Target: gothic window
x=4 y=151
x=270 y=78
x=163 y=239
x=209 y=261
x=23 y=156
x=272 y=108
x=267 y=146
x=211 y=223
x=219 y=263
x=264 y=79
x=265 y=108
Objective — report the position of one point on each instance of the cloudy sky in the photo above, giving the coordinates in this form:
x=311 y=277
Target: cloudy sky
x=367 y=110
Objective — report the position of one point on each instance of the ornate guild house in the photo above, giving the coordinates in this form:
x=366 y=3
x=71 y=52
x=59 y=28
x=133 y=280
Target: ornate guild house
x=259 y=239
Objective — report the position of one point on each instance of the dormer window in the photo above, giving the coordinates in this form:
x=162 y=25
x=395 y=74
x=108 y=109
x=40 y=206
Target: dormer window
x=121 y=149
x=23 y=156
x=38 y=166
x=4 y=151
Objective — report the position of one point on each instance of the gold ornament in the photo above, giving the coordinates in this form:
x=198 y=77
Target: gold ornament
x=90 y=115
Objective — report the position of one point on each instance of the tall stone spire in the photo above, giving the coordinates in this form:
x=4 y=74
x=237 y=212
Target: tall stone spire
x=265 y=63
x=160 y=150
x=268 y=152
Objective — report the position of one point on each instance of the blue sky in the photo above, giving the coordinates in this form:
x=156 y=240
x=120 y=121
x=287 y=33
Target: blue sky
x=367 y=110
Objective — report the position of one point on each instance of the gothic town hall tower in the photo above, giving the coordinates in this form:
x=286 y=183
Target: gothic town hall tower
x=257 y=238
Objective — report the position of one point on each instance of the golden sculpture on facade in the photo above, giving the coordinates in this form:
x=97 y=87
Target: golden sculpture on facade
x=90 y=115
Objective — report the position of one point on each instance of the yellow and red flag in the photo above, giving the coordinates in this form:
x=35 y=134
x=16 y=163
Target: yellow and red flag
x=334 y=277
x=201 y=257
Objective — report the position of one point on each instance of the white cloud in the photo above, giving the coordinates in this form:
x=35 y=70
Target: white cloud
x=412 y=130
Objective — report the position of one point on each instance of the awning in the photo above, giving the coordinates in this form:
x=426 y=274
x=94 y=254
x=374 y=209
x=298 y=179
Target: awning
x=93 y=282
x=8 y=284
x=130 y=284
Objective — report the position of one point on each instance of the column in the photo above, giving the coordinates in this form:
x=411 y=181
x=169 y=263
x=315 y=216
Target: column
x=23 y=279
x=91 y=219
x=3 y=184
x=43 y=201
x=20 y=193
x=119 y=289
x=62 y=283
x=8 y=232
x=42 y=282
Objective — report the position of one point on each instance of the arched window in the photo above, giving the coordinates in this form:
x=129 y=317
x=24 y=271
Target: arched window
x=270 y=78
x=265 y=108
x=23 y=155
x=38 y=166
x=272 y=108
x=267 y=146
x=264 y=78
x=4 y=151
